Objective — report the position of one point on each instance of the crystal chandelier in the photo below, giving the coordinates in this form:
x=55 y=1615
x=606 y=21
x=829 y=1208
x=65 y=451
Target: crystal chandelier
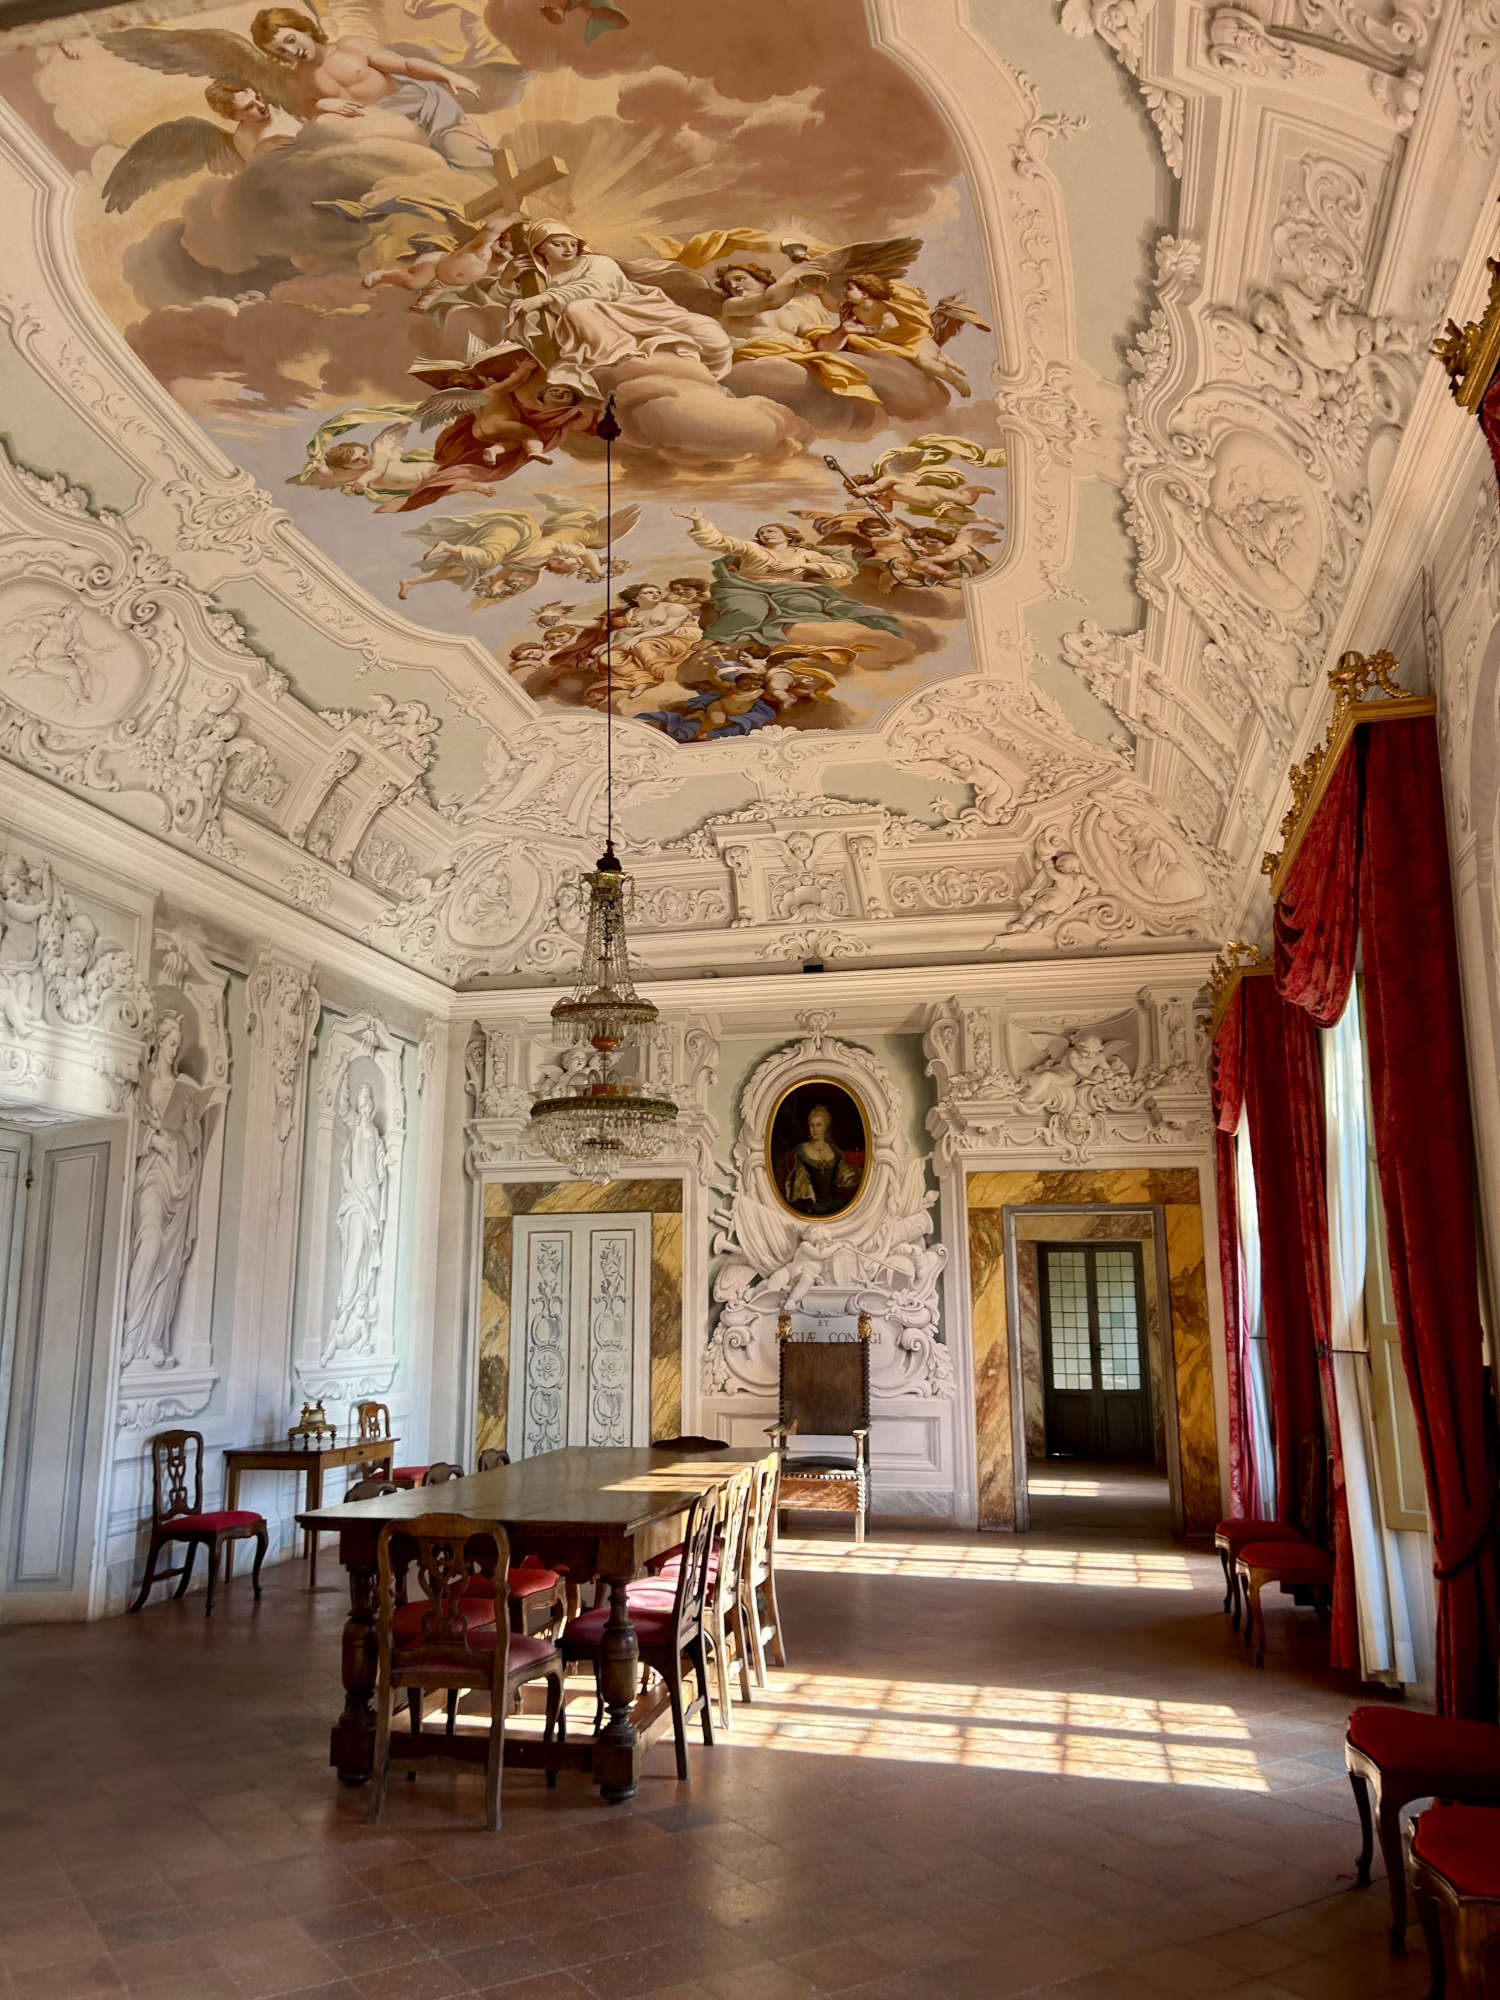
x=598 y=1121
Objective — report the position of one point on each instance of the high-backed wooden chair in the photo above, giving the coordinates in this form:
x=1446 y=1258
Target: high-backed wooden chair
x=177 y=1516
x=825 y=1393
x=440 y=1472
x=491 y=1459
x=371 y=1487
x=758 y=1607
x=1232 y=1535
x=724 y=1611
x=689 y=1446
x=450 y=1639
x=668 y=1616
x=1454 y=1856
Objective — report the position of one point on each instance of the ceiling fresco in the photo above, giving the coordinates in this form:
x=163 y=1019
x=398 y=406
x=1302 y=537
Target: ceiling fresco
x=396 y=258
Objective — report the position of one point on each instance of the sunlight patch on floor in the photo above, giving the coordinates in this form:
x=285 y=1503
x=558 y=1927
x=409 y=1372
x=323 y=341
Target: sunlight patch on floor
x=1007 y=1561
x=1049 y=1732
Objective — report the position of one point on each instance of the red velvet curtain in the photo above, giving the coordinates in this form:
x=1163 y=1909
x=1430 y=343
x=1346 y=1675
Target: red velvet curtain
x=1227 y=1083
x=1373 y=869
x=1287 y=1256
x=1425 y=1147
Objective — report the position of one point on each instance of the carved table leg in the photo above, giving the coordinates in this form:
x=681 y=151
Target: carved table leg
x=314 y=1499
x=616 y=1750
x=352 y=1747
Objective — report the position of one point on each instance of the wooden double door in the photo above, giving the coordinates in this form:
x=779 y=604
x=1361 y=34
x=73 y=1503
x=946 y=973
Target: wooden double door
x=1096 y=1375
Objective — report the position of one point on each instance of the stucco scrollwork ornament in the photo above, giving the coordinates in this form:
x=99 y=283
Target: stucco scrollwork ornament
x=1010 y=1083
x=55 y=968
x=877 y=1256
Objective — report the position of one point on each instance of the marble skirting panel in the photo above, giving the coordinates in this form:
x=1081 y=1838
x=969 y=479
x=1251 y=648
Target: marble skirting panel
x=503 y=1201
x=1177 y=1191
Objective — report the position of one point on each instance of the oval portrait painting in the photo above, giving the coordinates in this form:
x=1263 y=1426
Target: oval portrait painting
x=817 y=1148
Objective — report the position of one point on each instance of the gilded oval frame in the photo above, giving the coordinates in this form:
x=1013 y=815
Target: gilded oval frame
x=829 y=1086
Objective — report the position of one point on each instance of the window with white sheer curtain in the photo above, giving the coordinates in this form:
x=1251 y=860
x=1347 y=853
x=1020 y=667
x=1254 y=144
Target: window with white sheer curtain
x=1257 y=1358
x=1391 y=1554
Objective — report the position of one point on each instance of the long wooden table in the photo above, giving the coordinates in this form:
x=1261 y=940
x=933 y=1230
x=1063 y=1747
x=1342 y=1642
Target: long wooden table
x=311 y=1464
x=601 y=1511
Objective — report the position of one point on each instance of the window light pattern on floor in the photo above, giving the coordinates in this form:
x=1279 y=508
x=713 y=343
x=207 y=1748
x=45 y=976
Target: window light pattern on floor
x=1006 y=1561
x=1036 y=1730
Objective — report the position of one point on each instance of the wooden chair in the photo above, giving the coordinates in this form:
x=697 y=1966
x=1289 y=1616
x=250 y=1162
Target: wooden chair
x=492 y=1458
x=370 y=1487
x=724 y=1612
x=176 y=1459
x=758 y=1606
x=1395 y=1755
x=1454 y=1856
x=689 y=1445
x=439 y=1473
x=1233 y=1534
x=449 y=1639
x=669 y=1619
x=825 y=1392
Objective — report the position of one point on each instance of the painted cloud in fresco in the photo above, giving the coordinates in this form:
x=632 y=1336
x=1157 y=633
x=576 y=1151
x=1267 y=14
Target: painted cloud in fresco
x=750 y=232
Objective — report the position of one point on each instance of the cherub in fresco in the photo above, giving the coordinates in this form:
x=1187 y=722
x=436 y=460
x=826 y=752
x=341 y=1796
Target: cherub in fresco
x=921 y=478
x=449 y=254
x=181 y=146
x=770 y=318
x=498 y=553
x=499 y=412
x=379 y=470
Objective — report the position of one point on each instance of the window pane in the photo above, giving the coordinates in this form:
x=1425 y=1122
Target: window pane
x=1068 y=1319
x=1119 y=1336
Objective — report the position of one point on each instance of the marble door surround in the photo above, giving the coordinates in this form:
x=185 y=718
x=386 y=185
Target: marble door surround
x=1159 y=1207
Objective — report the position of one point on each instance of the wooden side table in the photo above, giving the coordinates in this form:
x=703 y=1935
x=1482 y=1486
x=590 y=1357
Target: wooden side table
x=372 y=1452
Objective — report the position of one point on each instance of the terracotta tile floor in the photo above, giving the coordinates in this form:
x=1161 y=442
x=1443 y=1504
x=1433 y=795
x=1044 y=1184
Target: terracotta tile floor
x=1000 y=1766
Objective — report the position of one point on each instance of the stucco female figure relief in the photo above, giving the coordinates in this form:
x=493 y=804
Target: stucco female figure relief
x=168 y=1165
x=360 y=1225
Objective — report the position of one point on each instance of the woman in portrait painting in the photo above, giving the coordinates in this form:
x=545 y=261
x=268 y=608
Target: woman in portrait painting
x=817 y=1145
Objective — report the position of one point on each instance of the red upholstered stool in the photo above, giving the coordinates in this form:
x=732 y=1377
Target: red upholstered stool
x=1395 y=1755
x=1295 y=1566
x=1231 y=1536
x=1454 y=1855
x=176 y=1459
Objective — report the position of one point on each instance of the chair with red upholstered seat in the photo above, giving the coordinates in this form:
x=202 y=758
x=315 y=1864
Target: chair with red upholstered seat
x=1395 y=1755
x=668 y=1616
x=1454 y=1856
x=1232 y=1535
x=449 y=1638
x=491 y=1459
x=759 y=1609
x=440 y=1472
x=724 y=1611
x=177 y=1459
x=1299 y=1567
x=689 y=1446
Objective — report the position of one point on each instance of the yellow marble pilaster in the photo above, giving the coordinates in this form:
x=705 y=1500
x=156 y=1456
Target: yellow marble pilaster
x=1192 y=1355
x=666 y=1325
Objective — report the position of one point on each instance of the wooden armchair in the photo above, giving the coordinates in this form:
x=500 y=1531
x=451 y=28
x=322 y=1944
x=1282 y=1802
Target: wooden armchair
x=177 y=1465
x=825 y=1393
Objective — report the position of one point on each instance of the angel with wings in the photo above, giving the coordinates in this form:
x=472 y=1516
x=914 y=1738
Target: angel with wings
x=501 y=552
x=181 y=146
x=380 y=470
x=770 y=317
x=882 y=315
x=294 y=64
